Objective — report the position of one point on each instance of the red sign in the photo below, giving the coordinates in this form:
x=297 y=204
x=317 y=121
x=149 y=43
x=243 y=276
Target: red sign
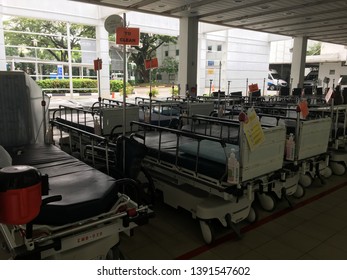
x=97 y=64
x=253 y=87
x=304 y=108
x=151 y=63
x=128 y=36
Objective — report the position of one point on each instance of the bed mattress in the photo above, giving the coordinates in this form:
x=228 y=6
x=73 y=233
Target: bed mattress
x=85 y=191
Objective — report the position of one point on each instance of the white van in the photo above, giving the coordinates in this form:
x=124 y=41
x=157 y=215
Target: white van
x=117 y=76
x=274 y=80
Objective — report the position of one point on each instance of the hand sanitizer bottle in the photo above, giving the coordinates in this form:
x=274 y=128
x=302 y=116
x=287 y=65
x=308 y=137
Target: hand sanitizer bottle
x=290 y=147
x=233 y=168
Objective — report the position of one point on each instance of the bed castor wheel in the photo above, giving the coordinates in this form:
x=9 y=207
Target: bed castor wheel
x=252 y=215
x=326 y=172
x=338 y=168
x=305 y=180
x=207 y=231
x=299 y=192
x=267 y=202
x=114 y=254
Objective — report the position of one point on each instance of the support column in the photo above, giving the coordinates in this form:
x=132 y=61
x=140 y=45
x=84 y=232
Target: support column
x=2 y=42
x=102 y=51
x=298 y=62
x=188 y=46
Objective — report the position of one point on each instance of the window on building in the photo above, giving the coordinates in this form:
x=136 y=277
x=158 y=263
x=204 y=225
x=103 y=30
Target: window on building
x=166 y=53
x=177 y=52
x=219 y=48
x=209 y=48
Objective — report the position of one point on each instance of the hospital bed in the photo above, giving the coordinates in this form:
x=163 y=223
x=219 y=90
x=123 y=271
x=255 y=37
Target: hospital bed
x=80 y=217
x=52 y=205
x=278 y=184
x=167 y=112
x=190 y=170
x=312 y=138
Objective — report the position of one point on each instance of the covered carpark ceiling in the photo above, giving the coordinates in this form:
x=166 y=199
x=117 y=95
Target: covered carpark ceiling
x=321 y=20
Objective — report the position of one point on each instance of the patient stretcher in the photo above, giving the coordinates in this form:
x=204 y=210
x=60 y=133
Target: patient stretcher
x=190 y=169
x=82 y=215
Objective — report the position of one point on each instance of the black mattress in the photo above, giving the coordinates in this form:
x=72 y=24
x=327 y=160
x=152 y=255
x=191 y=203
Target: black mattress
x=85 y=191
x=168 y=150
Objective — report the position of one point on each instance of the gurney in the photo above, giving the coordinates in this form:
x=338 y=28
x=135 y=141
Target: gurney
x=190 y=170
x=276 y=184
x=80 y=217
x=52 y=205
x=311 y=142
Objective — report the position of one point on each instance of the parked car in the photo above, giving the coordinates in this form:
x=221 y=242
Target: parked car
x=311 y=79
x=342 y=82
x=274 y=81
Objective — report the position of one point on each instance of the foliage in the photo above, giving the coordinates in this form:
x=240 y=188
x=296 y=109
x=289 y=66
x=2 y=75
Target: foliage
x=50 y=35
x=116 y=85
x=175 y=91
x=149 y=43
x=154 y=90
x=314 y=49
x=169 y=66
x=80 y=85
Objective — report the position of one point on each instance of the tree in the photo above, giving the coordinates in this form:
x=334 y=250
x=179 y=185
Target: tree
x=47 y=34
x=314 y=49
x=169 y=66
x=149 y=43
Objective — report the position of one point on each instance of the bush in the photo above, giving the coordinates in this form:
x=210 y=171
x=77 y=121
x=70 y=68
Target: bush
x=79 y=85
x=155 y=91
x=116 y=86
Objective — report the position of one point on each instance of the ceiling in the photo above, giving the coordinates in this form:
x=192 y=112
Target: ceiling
x=321 y=20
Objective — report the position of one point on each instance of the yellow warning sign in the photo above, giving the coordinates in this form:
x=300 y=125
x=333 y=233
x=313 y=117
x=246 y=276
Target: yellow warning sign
x=253 y=130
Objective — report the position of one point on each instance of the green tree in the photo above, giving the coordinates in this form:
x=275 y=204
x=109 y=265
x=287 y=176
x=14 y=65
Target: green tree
x=47 y=34
x=149 y=43
x=169 y=66
x=314 y=49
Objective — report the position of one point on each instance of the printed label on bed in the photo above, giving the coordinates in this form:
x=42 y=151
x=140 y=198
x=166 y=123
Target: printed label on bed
x=253 y=130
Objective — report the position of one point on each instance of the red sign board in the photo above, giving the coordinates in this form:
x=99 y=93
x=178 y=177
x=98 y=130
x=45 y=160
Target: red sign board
x=151 y=63
x=304 y=108
x=97 y=64
x=128 y=36
x=253 y=87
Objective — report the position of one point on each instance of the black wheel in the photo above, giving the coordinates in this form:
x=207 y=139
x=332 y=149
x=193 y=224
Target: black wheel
x=114 y=254
x=272 y=87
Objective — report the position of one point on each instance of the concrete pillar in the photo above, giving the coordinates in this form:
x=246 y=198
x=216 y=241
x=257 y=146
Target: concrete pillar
x=298 y=62
x=2 y=42
x=188 y=46
x=102 y=51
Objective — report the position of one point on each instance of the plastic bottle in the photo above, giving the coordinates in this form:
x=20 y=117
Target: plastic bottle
x=290 y=147
x=233 y=168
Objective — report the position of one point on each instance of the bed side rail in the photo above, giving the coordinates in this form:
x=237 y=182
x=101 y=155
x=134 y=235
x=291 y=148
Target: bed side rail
x=112 y=119
x=266 y=158
x=313 y=138
x=88 y=144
